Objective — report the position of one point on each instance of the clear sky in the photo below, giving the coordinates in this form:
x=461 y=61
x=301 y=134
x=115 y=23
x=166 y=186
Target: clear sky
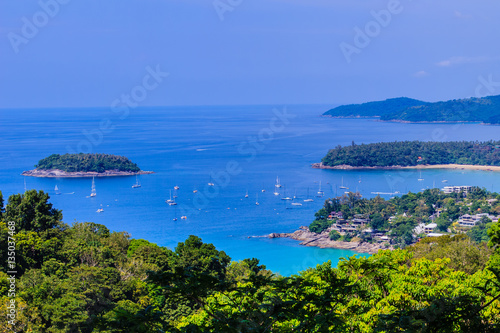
x=74 y=53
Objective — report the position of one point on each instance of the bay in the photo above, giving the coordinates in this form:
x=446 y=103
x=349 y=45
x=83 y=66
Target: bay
x=240 y=148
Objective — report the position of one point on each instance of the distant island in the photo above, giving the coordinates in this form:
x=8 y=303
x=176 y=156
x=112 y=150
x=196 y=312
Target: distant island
x=84 y=165
x=414 y=154
x=484 y=110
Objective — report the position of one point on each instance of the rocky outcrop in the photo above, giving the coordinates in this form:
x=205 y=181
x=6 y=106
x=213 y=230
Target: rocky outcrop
x=54 y=173
x=323 y=241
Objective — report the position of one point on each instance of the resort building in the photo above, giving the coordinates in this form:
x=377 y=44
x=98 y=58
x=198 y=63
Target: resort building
x=457 y=189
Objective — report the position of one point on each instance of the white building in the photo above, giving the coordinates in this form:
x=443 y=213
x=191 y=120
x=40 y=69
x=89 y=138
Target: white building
x=457 y=189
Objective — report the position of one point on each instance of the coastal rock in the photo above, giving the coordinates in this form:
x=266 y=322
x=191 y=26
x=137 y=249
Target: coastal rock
x=55 y=173
x=323 y=241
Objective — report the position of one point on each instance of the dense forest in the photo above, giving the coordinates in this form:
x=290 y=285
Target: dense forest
x=399 y=216
x=85 y=278
x=87 y=163
x=412 y=153
x=485 y=110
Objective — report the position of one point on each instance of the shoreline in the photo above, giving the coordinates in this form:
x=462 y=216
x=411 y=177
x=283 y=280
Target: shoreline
x=377 y=118
x=398 y=167
x=55 y=173
x=308 y=238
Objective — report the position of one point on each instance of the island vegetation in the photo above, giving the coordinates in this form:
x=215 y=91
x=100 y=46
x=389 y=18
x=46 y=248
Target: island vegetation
x=85 y=278
x=87 y=163
x=484 y=110
x=414 y=153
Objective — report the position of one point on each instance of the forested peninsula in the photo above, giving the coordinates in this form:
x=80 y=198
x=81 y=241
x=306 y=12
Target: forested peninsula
x=413 y=154
x=484 y=110
x=84 y=165
x=86 y=278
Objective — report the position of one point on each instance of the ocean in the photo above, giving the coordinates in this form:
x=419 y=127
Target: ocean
x=241 y=149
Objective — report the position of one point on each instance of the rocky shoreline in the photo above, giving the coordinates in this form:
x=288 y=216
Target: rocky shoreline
x=55 y=173
x=323 y=241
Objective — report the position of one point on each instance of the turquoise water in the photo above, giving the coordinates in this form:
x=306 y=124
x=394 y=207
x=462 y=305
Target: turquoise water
x=243 y=148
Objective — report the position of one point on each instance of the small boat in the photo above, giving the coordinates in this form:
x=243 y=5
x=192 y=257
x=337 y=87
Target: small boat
x=100 y=210
x=174 y=219
x=342 y=185
x=444 y=181
x=195 y=191
x=296 y=203
x=184 y=217
x=263 y=190
x=286 y=198
x=56 y=189
x=93 y=193
x=176 y=187
x=137 y=184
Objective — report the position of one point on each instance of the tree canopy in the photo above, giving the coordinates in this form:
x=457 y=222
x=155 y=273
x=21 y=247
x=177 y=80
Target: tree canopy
x=87 y=163
x=413 y=153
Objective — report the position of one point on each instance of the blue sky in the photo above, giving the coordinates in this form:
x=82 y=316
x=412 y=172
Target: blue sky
x=93 y=52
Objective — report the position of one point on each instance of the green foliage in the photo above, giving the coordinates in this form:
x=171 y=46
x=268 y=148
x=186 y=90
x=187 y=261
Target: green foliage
x=479 y=233
x=86 y=279
x=464 y=254
x=32 y=211
x=87 y=163
x=413 y=153
x=334 y=235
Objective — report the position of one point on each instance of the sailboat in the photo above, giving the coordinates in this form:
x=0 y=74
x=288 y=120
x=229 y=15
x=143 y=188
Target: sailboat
x=308 y=199
x=246 y=194
x=295 y=203
x=320 y=192
x=420 y=179
x=342 y=185
x=286 y=197
x=56 y=189
x=257 y=199
x=25 y=189
x=137 y=184
x=278 y=185
x=175 y=214
x=93 y=192
x=171 y=201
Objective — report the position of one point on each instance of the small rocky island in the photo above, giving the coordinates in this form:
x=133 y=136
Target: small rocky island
x=84 y=165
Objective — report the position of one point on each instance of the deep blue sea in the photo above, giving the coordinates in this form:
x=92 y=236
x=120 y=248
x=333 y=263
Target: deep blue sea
x=239 y=148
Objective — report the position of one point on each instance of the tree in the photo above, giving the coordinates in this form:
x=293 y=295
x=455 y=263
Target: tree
x=31 y=211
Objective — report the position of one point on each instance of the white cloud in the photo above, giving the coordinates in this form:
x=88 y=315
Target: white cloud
x=421 y=74
x=462 y=60
x=461 y=15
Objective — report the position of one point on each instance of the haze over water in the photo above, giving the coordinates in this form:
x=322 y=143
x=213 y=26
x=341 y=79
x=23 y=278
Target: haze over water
x=185 y=145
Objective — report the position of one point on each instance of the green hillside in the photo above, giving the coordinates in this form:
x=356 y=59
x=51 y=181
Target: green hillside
x=484 y=110
x=374 y=109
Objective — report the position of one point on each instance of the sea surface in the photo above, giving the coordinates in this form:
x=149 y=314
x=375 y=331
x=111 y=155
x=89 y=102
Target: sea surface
x=241 y=149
